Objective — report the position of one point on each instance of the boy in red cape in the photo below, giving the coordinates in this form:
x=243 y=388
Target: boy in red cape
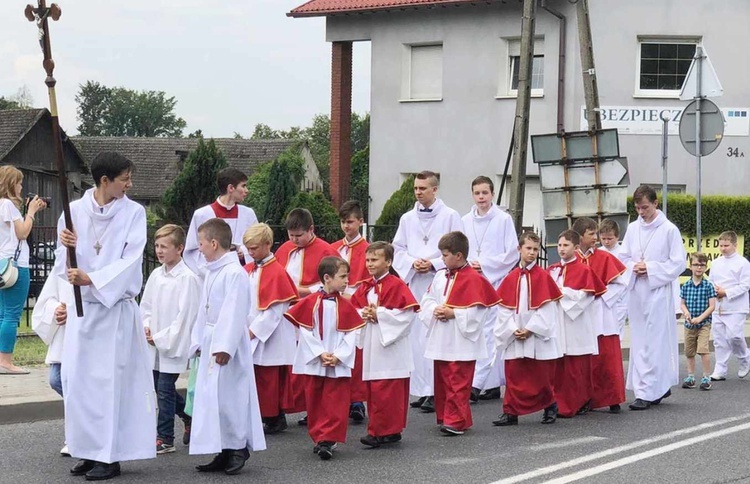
x=325 y=355
x=607 y=375
x=455 y=307
x=579 y=320
x=300 y=255
x=388 y=307
x=527 y=332
x=352 y=249
x=272 y=338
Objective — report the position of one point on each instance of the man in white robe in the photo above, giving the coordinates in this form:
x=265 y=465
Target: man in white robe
x=653 y=251
x=416 y=259
x=110 y=406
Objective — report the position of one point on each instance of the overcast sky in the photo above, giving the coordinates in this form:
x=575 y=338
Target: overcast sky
x=230 y=64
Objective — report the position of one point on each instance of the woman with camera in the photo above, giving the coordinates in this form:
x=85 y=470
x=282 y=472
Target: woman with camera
x=14 y=261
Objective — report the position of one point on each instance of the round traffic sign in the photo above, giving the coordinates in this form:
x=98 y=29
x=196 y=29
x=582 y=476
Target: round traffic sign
x=712 y=127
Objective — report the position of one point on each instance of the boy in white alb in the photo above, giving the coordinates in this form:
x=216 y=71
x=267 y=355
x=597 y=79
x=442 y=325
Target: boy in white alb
x=609 y=233
x=226 y=414
x=730 y=274
x=169 y=307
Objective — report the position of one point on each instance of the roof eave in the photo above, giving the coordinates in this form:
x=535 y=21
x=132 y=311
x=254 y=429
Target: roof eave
x=331 y=13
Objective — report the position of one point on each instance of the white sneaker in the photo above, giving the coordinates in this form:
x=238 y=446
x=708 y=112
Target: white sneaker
x=744 y=370
x=65 y=452
x=717 y=377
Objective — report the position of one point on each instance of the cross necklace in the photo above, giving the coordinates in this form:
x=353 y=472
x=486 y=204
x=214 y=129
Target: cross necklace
x=426 y=234
x=98 y=244
x=479 y=241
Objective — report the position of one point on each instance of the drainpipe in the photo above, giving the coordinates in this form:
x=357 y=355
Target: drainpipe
x=560 y=67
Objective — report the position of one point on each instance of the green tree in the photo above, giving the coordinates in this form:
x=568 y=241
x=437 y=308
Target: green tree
x=284 y=179
x=400 y=202
x=194 y=186
x=22 y=99
x=360 y=182
x=324 y=214
x=117 y=111
x=8 y=103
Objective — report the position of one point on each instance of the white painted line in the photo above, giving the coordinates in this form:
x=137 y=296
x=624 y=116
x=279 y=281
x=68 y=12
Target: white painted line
x=616 y=450
x=565 y=443
x=648 y=454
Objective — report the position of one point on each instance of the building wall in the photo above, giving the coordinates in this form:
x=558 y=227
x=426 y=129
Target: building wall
x=468 y=132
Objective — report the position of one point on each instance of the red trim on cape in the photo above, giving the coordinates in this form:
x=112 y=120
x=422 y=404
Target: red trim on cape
x=470 y=289
x=274 y=285
x=356 y=259
x=312 y=254
x=579 y=276
x=393 y=293
x=222 y=212
x=606 y=266
x=542 y=288
x=303 y=313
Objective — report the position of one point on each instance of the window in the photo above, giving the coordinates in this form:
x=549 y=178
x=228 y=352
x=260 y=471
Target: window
x=508 y=86
x=422 y=78
x=663 y=65
x=537 y=72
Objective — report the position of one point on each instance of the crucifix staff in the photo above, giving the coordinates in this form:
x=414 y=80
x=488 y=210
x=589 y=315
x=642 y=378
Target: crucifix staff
x=40 y=16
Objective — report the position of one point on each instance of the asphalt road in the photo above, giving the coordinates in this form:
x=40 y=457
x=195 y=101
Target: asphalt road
x=693 y=436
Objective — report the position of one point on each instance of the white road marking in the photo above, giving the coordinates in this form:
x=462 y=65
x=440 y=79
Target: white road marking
x=565 y=443
x=616 y=450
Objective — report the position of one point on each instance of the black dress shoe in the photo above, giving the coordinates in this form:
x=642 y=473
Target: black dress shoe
x=615 y=408
x=102 y=471
x=490 y=394
x=325 y=450
x=586 y=408
x=275 y=425
x=302 y=421
x=418 y=403
x=370 y=441
x=357 y=412
x=658 y=400
x=474 y=395
x=428 y=406
x=505 y=420
x=639 y=404
x=82 y=467
x=390 y=439
x=550 y=414
x=219 y=463
x=236 y=461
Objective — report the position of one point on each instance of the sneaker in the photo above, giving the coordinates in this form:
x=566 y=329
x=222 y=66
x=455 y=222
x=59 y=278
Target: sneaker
x=744 y=370
x=163 y=448
x=716 y=377
x=64 y=451
x=451 y=431
x=357 y=412
x=705 y=383
x=688 y=382
x=187 y=422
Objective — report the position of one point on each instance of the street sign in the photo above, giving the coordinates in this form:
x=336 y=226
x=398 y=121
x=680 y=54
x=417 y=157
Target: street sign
x=710 y=85
x=712 y=127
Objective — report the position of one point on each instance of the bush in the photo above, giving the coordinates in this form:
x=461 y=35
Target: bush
x=360 y=189
x=401 y=201
x=326 y=217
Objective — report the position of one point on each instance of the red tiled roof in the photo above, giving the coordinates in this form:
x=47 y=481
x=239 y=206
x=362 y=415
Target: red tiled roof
x=319 y=8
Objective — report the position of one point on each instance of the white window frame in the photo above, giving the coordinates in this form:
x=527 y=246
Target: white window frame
x=657 y=39
x=406 y=73
x=511 y=47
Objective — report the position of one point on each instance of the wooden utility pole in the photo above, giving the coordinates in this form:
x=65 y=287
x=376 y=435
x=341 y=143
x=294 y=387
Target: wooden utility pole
x=590 y=88
x=523 y=105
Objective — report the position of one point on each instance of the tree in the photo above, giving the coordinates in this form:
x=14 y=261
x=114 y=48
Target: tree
x=117 y=111
x=284 y=180
x=194 y=186
x=8 y=103
x=22 y=99
x=360 y=182
x=400 y=202
x=325 y=216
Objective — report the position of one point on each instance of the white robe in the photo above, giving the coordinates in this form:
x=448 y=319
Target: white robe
x=577 y=314
x=311 y=346
x=457 y=339
x=226 y=412
x=654 y=364
x=728 y=329
x=386 y=351
x=409 y=245
x=110 y=403
x=492 y=243
x=621 y=304
x=43 y=321
x=274 y=341
x=169 y=307
x=192 y=257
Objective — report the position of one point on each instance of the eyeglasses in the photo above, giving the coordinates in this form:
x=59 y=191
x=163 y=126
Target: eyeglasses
x=698 y=265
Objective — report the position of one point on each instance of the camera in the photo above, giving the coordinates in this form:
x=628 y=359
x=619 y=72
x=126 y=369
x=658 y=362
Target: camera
x=30 y=197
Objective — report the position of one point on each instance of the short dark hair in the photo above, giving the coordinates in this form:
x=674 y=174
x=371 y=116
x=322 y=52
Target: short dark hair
x=609 y=226
x=699 y=257
x=299 y=219
x=110 y=164
x=218 y=230
x=571 y=236
x=483 y=179
x=430 y=176
x=584 y=224
x=454 y=242
x=532 y=236
x=229 y=176
x=351 y=208
x=330 y=266
x=382 y=246
x=644 y=191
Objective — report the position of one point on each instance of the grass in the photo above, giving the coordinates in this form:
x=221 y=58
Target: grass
x=30 y=350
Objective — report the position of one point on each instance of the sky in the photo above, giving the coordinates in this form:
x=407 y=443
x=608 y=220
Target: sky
x=229 y=64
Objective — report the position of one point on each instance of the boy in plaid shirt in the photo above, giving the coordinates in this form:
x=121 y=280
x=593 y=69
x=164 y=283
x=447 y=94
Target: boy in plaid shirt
x=698 y=298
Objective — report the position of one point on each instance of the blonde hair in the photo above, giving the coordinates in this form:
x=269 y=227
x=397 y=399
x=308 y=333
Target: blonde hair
x=260 y=233
x=730 y=236
x=10 y=176
x=175 y=233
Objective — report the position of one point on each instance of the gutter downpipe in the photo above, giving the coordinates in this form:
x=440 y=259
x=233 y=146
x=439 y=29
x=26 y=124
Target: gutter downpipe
x=560 y=67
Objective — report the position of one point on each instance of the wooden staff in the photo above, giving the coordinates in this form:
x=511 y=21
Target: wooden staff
x=40 y=16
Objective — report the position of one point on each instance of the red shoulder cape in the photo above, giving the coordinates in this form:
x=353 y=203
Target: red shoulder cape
x=222 y=212
x=312 y=254
x=580 y=277
x=470 y=289
x=275 y=285
x=393 y=293
x=303 y=313
x=357 y=268
x=606 y=266
x=542 y=288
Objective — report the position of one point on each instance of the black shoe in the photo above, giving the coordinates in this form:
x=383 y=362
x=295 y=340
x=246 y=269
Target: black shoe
x=428 y=406
x=102 y=471
x=325 y=450
x=302 y=421
x=390 y=439
x=370 y=441
x=418 y=403
x=450 y=431
x=187 y=422
x=585 y=409
x=82 y=467
x=490 y=394
x=357 y=412
x=505 y=420
x=615 y=408
x=639 y=404
x=275 y=425
x=236 y=461
x=219 y=463
x=658 y=400
x=550 y=414
x=474 y=395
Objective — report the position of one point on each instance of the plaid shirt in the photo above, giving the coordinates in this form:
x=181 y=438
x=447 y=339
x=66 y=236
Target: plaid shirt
x=696 y=299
